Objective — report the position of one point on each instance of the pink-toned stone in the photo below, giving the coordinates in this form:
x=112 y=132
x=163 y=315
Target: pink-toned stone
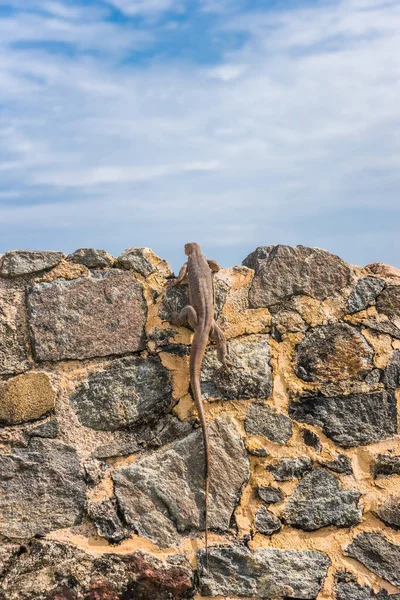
x=91 y=316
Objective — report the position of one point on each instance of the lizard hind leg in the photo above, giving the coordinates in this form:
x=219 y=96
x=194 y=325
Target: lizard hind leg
x=217 y=336
x=187 y=315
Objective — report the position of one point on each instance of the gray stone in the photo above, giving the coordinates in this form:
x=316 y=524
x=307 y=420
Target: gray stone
x=285 y=271
x=311 y=439
x=341 y=464
x=24 y=262
x=151 y=435
x=92 y=258
x=270 y=494
x=385 y=327
x=42 y=488
x=48 y=429
x=86 y=317
x=257 y=451
x=163 y=494
x=386 y=464
x=333 y=353
x=347 y=588
x=376 y=553
x=266 y=573
x=131 y=391
x=144 y=261
x=350 y=420
x=290 y=468
x=364 y=293
x=94 y=471
x=266 y=522
x=373 y=377
x=135 y=258
x=50 y=570
x=252 y=380
x=13 y=331
x=264 y=420
x=391 y=375
x=388 y=302
x=221 y=290
x=389 y=512
x=318 y=502
x=108 y=524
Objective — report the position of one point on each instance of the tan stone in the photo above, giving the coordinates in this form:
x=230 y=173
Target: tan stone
x=25 y=398
x=385 y=271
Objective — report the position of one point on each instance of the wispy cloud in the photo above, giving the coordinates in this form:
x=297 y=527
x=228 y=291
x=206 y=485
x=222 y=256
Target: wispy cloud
x=286 y=133
x=145 y=7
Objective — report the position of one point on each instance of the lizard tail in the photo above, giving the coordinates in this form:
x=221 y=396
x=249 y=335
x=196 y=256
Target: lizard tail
x=199 y=344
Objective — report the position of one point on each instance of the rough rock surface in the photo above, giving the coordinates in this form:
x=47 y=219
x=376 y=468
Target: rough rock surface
x=386 y=464
x=347 y=588
x=376 y=553
x=252 y=380
x=24 y=262
x=270 y=494
x=386 y=327
x=108 y=523
x=264 y=420
x=311 y=439
x=92 y=258
x=150 y=435
x=389 y=511
x=285 y=271
x=8 y=552
x=341 y=464
x=91 y=316
x=13 y=331
x=266 y=522
x=333 y=353
x=42 y=488
x=290 y=468
x=129 y=392
x=144 y=261
x=162 y=494
x=48 y=429
x=364 y=293
x=388 y=302
x=266 y=573
x=350 y=420
x=318 y=502
x=51 y=570
x=391 y=375
x=25 y=398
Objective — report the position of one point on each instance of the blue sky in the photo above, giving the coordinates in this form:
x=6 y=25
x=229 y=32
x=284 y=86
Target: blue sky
x=233 y=123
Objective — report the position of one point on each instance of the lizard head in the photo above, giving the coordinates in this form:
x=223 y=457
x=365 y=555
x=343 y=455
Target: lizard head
x=191 y=247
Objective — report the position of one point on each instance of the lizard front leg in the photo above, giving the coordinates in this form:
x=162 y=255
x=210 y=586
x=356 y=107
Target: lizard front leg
x=214 y=266
x=182 y=275
x=187 y=315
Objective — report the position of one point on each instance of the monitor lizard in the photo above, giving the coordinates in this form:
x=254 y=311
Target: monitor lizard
x=197 y=271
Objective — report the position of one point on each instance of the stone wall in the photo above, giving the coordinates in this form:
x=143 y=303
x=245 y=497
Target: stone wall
x=101 y=459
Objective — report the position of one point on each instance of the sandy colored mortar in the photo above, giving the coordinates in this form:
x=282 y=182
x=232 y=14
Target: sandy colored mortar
x=65 y=270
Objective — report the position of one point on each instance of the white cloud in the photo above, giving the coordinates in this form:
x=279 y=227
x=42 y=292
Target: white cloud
x=285 y=139
x=145 y=7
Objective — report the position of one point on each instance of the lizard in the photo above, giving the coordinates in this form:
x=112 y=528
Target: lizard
x=199 y=313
